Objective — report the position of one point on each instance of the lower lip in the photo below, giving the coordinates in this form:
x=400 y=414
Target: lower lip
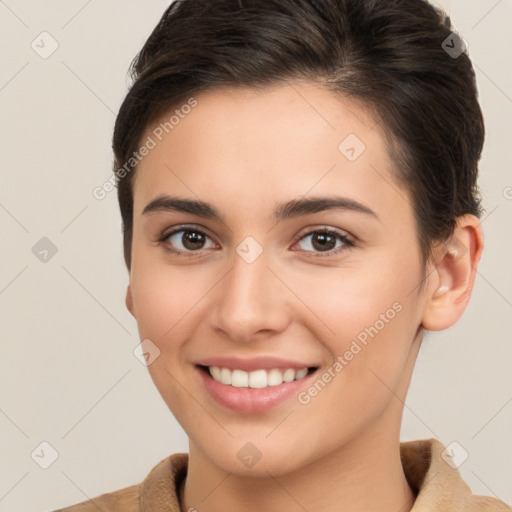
x=252 y=400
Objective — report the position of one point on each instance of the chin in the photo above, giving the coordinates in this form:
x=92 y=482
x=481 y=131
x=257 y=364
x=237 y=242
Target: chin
x=247 y=459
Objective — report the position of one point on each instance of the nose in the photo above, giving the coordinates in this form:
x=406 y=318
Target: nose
x=250 y=302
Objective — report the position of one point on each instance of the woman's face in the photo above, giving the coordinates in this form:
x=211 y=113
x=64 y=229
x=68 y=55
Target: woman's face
x=263 y=279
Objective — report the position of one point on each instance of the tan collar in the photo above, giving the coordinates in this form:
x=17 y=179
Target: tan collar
x=439 y=486
x=159 y=491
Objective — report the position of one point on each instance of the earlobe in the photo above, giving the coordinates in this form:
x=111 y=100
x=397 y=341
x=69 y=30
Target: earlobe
x=129 y=301
x=456 y=263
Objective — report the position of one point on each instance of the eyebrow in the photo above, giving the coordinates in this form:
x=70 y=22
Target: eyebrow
x=288 y=210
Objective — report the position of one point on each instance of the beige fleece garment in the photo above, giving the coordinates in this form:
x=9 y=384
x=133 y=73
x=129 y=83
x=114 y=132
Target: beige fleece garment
x=439 y=487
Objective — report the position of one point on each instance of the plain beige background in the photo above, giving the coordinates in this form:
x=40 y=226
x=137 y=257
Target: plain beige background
x=68 y=374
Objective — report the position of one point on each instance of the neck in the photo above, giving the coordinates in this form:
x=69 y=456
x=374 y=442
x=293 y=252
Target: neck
x=365 y=474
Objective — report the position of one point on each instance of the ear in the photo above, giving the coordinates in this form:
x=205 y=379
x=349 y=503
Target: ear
x=129 y=300
x=453 y=276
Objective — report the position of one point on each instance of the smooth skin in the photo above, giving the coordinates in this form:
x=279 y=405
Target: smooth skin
x=245 y=151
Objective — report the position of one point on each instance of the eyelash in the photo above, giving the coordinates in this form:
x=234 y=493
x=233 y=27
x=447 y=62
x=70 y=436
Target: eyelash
x=347 y=241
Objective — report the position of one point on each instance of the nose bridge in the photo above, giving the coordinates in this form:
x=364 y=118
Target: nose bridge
x=249 y=299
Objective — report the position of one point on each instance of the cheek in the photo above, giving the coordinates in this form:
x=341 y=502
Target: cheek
x=368 y=318
x=346 y=300
x=165 y=299
x=165 y=302
x=373 y=326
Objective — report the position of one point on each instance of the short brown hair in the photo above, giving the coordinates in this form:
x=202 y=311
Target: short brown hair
x=389 y=54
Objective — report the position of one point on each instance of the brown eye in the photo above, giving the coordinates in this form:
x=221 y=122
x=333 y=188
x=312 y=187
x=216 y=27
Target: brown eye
x=325 y=241
x=187 y=240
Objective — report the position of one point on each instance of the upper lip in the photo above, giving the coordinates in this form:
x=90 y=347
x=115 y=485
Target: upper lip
x=255 y=363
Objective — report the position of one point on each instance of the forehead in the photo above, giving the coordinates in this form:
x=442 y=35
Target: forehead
x=276 y=143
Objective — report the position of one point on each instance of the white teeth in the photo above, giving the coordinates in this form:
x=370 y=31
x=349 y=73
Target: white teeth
x=256 y=379
x=225 y=376
x=216 y=373
x=289 y=375
x=301 y=373
x=274 y=377
x=239 y=378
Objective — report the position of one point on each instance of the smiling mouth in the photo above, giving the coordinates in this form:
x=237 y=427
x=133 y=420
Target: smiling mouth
x=256 y=379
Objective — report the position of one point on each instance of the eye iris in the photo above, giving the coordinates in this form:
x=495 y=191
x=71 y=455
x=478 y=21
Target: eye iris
x=192 y=240
x=324 y=241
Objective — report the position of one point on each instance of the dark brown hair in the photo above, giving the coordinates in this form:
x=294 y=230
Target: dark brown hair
x=389 y=54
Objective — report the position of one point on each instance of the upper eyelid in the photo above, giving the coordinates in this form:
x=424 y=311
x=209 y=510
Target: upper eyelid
x=324 y=227
x=185 y=227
